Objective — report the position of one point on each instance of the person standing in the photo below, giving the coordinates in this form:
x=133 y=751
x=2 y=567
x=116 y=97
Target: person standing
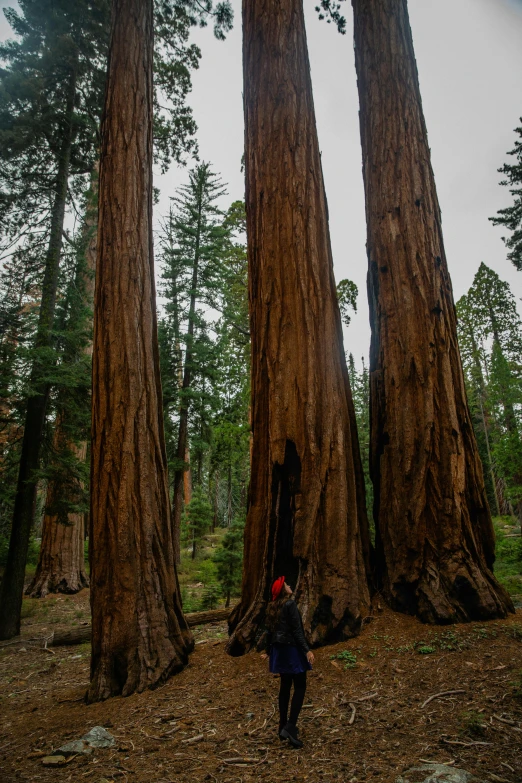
x=289 y=656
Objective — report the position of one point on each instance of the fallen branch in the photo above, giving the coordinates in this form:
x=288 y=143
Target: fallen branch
x=442 y=693
x=464 y=744
x=352 y=716
x=83 y=634
x=191 y=740
x=367 y=698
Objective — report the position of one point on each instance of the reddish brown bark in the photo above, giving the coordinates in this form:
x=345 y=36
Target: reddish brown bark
x=61 y=562
x=61 y=567
x=306 y=516
x=187 y=479
x=140 y=636
x=435 y=539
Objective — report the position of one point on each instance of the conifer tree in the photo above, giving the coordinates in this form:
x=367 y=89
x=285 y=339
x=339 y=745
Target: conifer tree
x=511 y=217
x=193 y=273
x=490 y=333
x=44 y=140
x=229 y=560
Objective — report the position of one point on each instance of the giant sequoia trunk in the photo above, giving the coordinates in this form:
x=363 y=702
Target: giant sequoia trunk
x=435 y=539
x=25 y=500
x=61 y=562
x=140 y=636
x=306 y=516
x=61 y=567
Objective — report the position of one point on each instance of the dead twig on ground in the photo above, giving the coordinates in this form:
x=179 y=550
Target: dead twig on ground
x=442 y=693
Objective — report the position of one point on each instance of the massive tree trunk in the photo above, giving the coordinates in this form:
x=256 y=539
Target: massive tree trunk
x=13 y=581
x=140 y=636
x=435 y=539
x=61 y=562
x=61 y=567
x=306 y=516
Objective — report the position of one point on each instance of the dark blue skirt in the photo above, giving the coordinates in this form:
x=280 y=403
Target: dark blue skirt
x=288 y=659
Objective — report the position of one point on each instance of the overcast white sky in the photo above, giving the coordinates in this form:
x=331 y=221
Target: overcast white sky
x=469 y=55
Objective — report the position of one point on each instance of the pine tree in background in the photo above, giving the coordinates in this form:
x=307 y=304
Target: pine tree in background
x=490 y=336
x=61 y=566
x=193 y=248
x=42 y=175
x=230 y=458
x=45 y=139
x=511 y=217
x=197 y=519
x=229 y=561
x=360 y=385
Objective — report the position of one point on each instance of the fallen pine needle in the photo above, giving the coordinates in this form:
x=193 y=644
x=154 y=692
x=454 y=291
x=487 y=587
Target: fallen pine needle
x=442 y=693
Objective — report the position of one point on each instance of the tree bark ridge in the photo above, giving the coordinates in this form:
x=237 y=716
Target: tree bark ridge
x=306 y=508
x=435 y=538
x=140 y=635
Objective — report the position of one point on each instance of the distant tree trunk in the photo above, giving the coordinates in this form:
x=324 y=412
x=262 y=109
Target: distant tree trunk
x=187 y=479
x=306 y=517
x=140 y=635
x=229 y=495
x=215 y=501
x=434 y=535
x=183 y=416
x=61 y=567
x=13 y=580
x=61 y=562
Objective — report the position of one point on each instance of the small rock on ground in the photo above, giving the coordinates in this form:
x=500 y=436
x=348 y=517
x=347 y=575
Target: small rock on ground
x=436 y=773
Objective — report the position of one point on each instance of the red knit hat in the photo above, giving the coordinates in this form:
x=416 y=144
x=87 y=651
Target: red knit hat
x=277 y=587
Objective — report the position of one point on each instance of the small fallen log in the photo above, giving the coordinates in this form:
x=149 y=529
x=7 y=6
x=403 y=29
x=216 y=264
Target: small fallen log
x=82 y=634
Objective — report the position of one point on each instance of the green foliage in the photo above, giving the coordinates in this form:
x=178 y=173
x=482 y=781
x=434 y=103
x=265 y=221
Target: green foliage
x=331 y=11
x=197 y=518
x=425 y=649
x=347 y=293
x=229 y=561
x=32 y=555
x=511 y=217
x=204 y=340
x=348 y=657
x=473 y=723
x=490 y=340
x=360 y=386
x=211 y=597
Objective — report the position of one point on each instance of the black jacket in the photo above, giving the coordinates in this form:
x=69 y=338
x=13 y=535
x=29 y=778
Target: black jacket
x=289 y=630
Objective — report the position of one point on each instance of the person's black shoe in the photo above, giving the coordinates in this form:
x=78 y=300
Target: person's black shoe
x=290 y=733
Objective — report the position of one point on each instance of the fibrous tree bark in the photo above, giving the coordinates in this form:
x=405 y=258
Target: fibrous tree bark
x=13 y=580
x=434 y=535
x=306 y=510
x=140 y=636
x=61 y=562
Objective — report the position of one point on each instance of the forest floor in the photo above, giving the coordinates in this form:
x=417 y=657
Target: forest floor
x=366 y=716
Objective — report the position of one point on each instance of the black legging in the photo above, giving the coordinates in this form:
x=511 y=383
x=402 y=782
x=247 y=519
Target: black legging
x=299 y=681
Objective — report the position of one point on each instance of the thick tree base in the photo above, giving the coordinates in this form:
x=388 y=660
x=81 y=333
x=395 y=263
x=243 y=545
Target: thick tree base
x=461 y=593
x=323 y=625
x=132 y=671
x=44 y=584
